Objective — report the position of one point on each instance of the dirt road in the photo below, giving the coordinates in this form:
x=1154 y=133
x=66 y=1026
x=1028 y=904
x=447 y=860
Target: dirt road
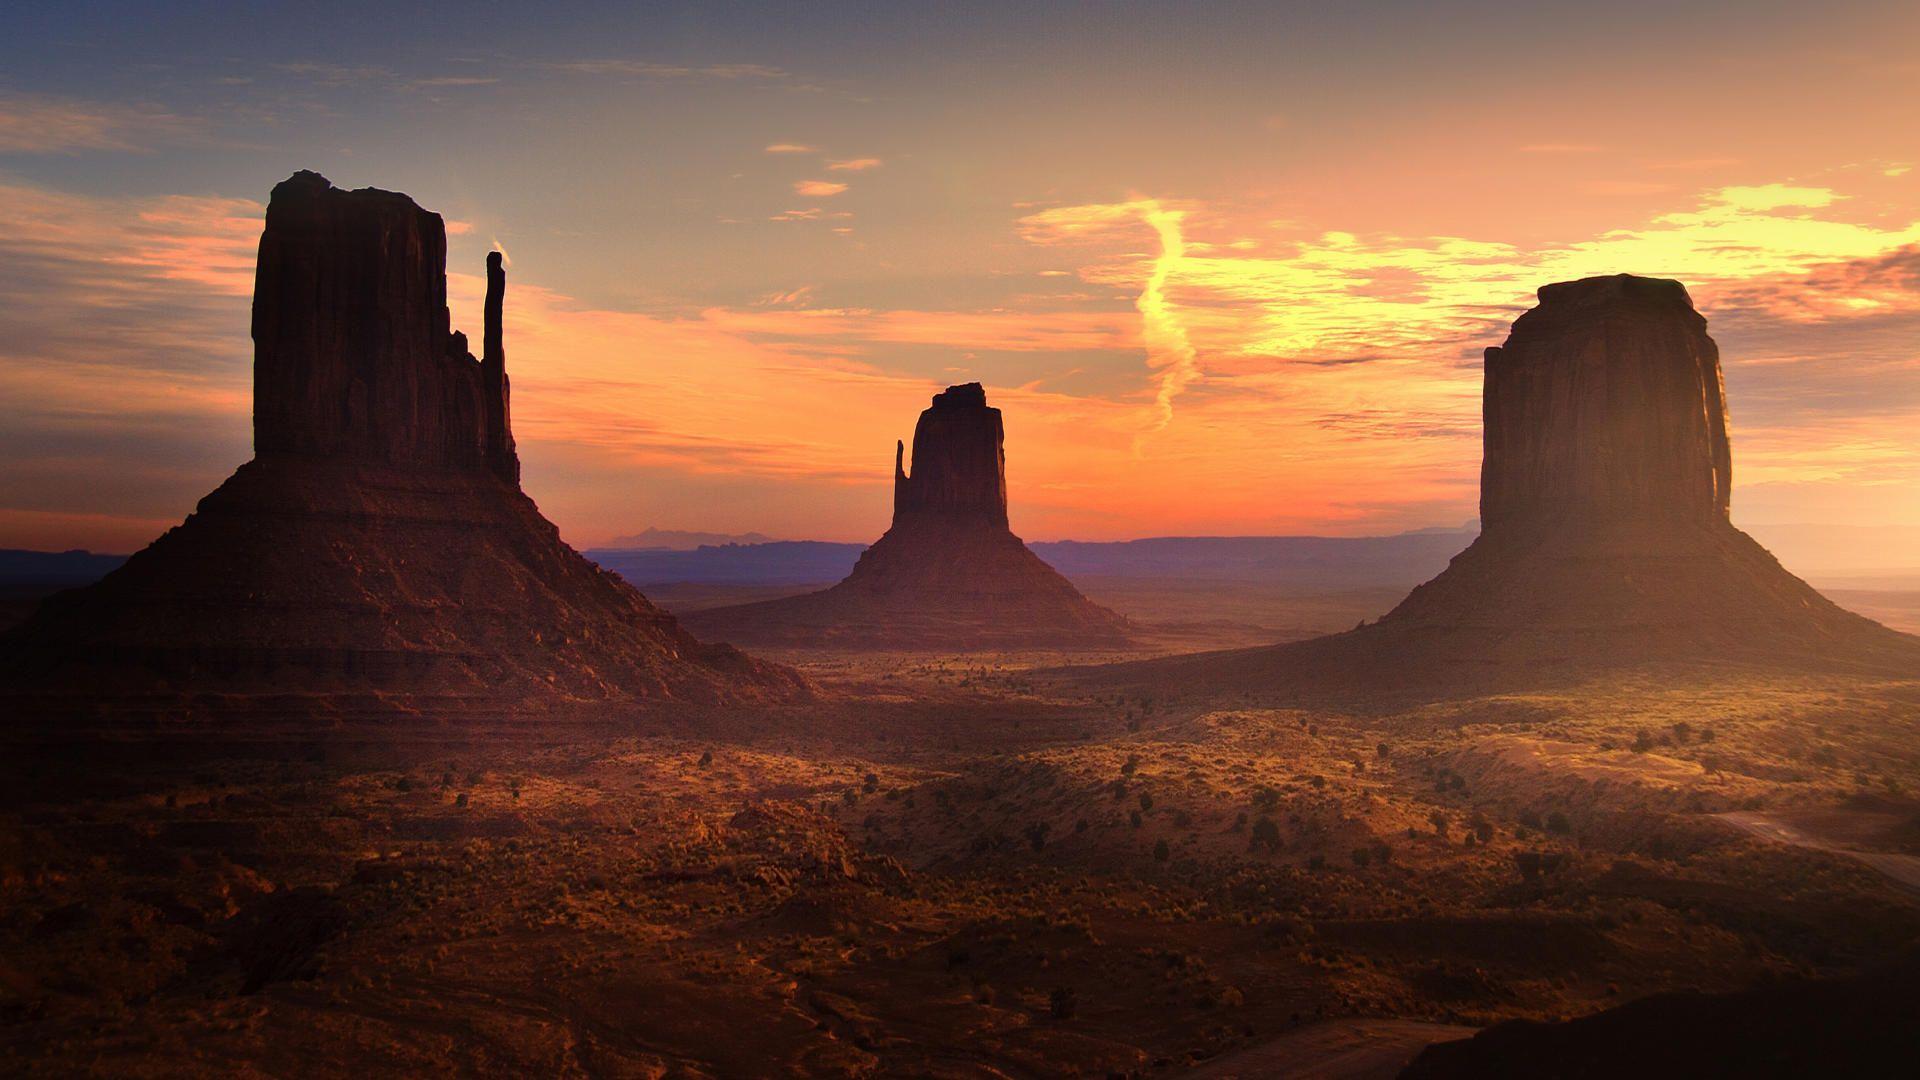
x=1903 y=870
x=1355 y=1049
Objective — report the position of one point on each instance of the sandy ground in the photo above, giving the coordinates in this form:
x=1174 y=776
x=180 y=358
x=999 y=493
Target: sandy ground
x=945 y=868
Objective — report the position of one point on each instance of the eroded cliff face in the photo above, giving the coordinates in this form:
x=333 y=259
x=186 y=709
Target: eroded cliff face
x=1605 y=404
x=959 y=462
x=377 y=555
x=354 y=356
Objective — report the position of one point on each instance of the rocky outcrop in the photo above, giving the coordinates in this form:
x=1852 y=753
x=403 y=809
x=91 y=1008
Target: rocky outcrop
x=1605 y=404
x=354 y=357
x=1605 y=541
x=949 y=573
x=377 y=555
x=959 y=463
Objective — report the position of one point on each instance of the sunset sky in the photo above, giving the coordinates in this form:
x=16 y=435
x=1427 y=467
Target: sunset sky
x=1226 y=268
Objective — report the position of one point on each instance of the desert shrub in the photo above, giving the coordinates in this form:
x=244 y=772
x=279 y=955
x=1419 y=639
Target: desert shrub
x=1080 y=826
x=1131 y=765
x=1036 y=834
x=405 y=783
x=460 y=800
x=1641 y=742
x=1161 y=852
x=1530 y=818
x=1557 y=823
x=1317 y=781
x=1682 y=732
x=1134 y=819
x=1182 y=819
x=849 y=796
x=1382 y=750
x=1062 y=1003
x=706 y=759
x=1439 y=822
x=1146 y=800
x=1266 y=834
x=1265 y=797
x=1362 y=856
x=1483 y=829
x=1240 y=821
x=1317 y=862
x=871 y=783
x=1532 y=864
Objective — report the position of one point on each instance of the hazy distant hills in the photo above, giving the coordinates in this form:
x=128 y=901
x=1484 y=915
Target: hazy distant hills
x=1844 y=556
x=54 y=568
x=652 y=539
x=1335 y=562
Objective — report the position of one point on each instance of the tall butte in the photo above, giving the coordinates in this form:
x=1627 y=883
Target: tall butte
x=1604 y=494
x=377 y=554
x=949 y=573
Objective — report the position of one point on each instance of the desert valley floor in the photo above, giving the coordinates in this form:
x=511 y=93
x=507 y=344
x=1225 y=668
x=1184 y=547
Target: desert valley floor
x=950 y=866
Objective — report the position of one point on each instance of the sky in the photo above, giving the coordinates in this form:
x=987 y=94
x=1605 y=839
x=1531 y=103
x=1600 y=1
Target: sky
x=1226 y=268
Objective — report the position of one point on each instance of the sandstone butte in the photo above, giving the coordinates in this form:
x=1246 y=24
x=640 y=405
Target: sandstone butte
x=377 y=554
x=1606 y=481
x=949 y=573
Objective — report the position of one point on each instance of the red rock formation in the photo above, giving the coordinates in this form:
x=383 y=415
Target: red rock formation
x=377 y=553
x=1605 y=542
x=1605 y=404
x=959 y=463
x=949 y=573
x=353 y=354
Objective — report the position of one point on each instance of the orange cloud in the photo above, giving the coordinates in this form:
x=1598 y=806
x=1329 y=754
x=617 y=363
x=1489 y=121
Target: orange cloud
x=855 y=164
x=1322 y=381
x=818 y=189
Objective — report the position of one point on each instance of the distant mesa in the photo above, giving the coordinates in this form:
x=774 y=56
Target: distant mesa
x=652 y=539
x=949 y=573
x=1605 y=487
x=377 y=553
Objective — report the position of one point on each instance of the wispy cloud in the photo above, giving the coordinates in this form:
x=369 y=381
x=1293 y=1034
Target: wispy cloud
x=790 y=148
x=36 y=124
x=818 y=189
x=855 y=164
x=646 y=69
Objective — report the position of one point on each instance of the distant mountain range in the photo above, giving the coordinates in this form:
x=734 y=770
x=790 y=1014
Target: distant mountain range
x=55 y=568
x=1336 y=562
x=681 y=540
x=1883 y=557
